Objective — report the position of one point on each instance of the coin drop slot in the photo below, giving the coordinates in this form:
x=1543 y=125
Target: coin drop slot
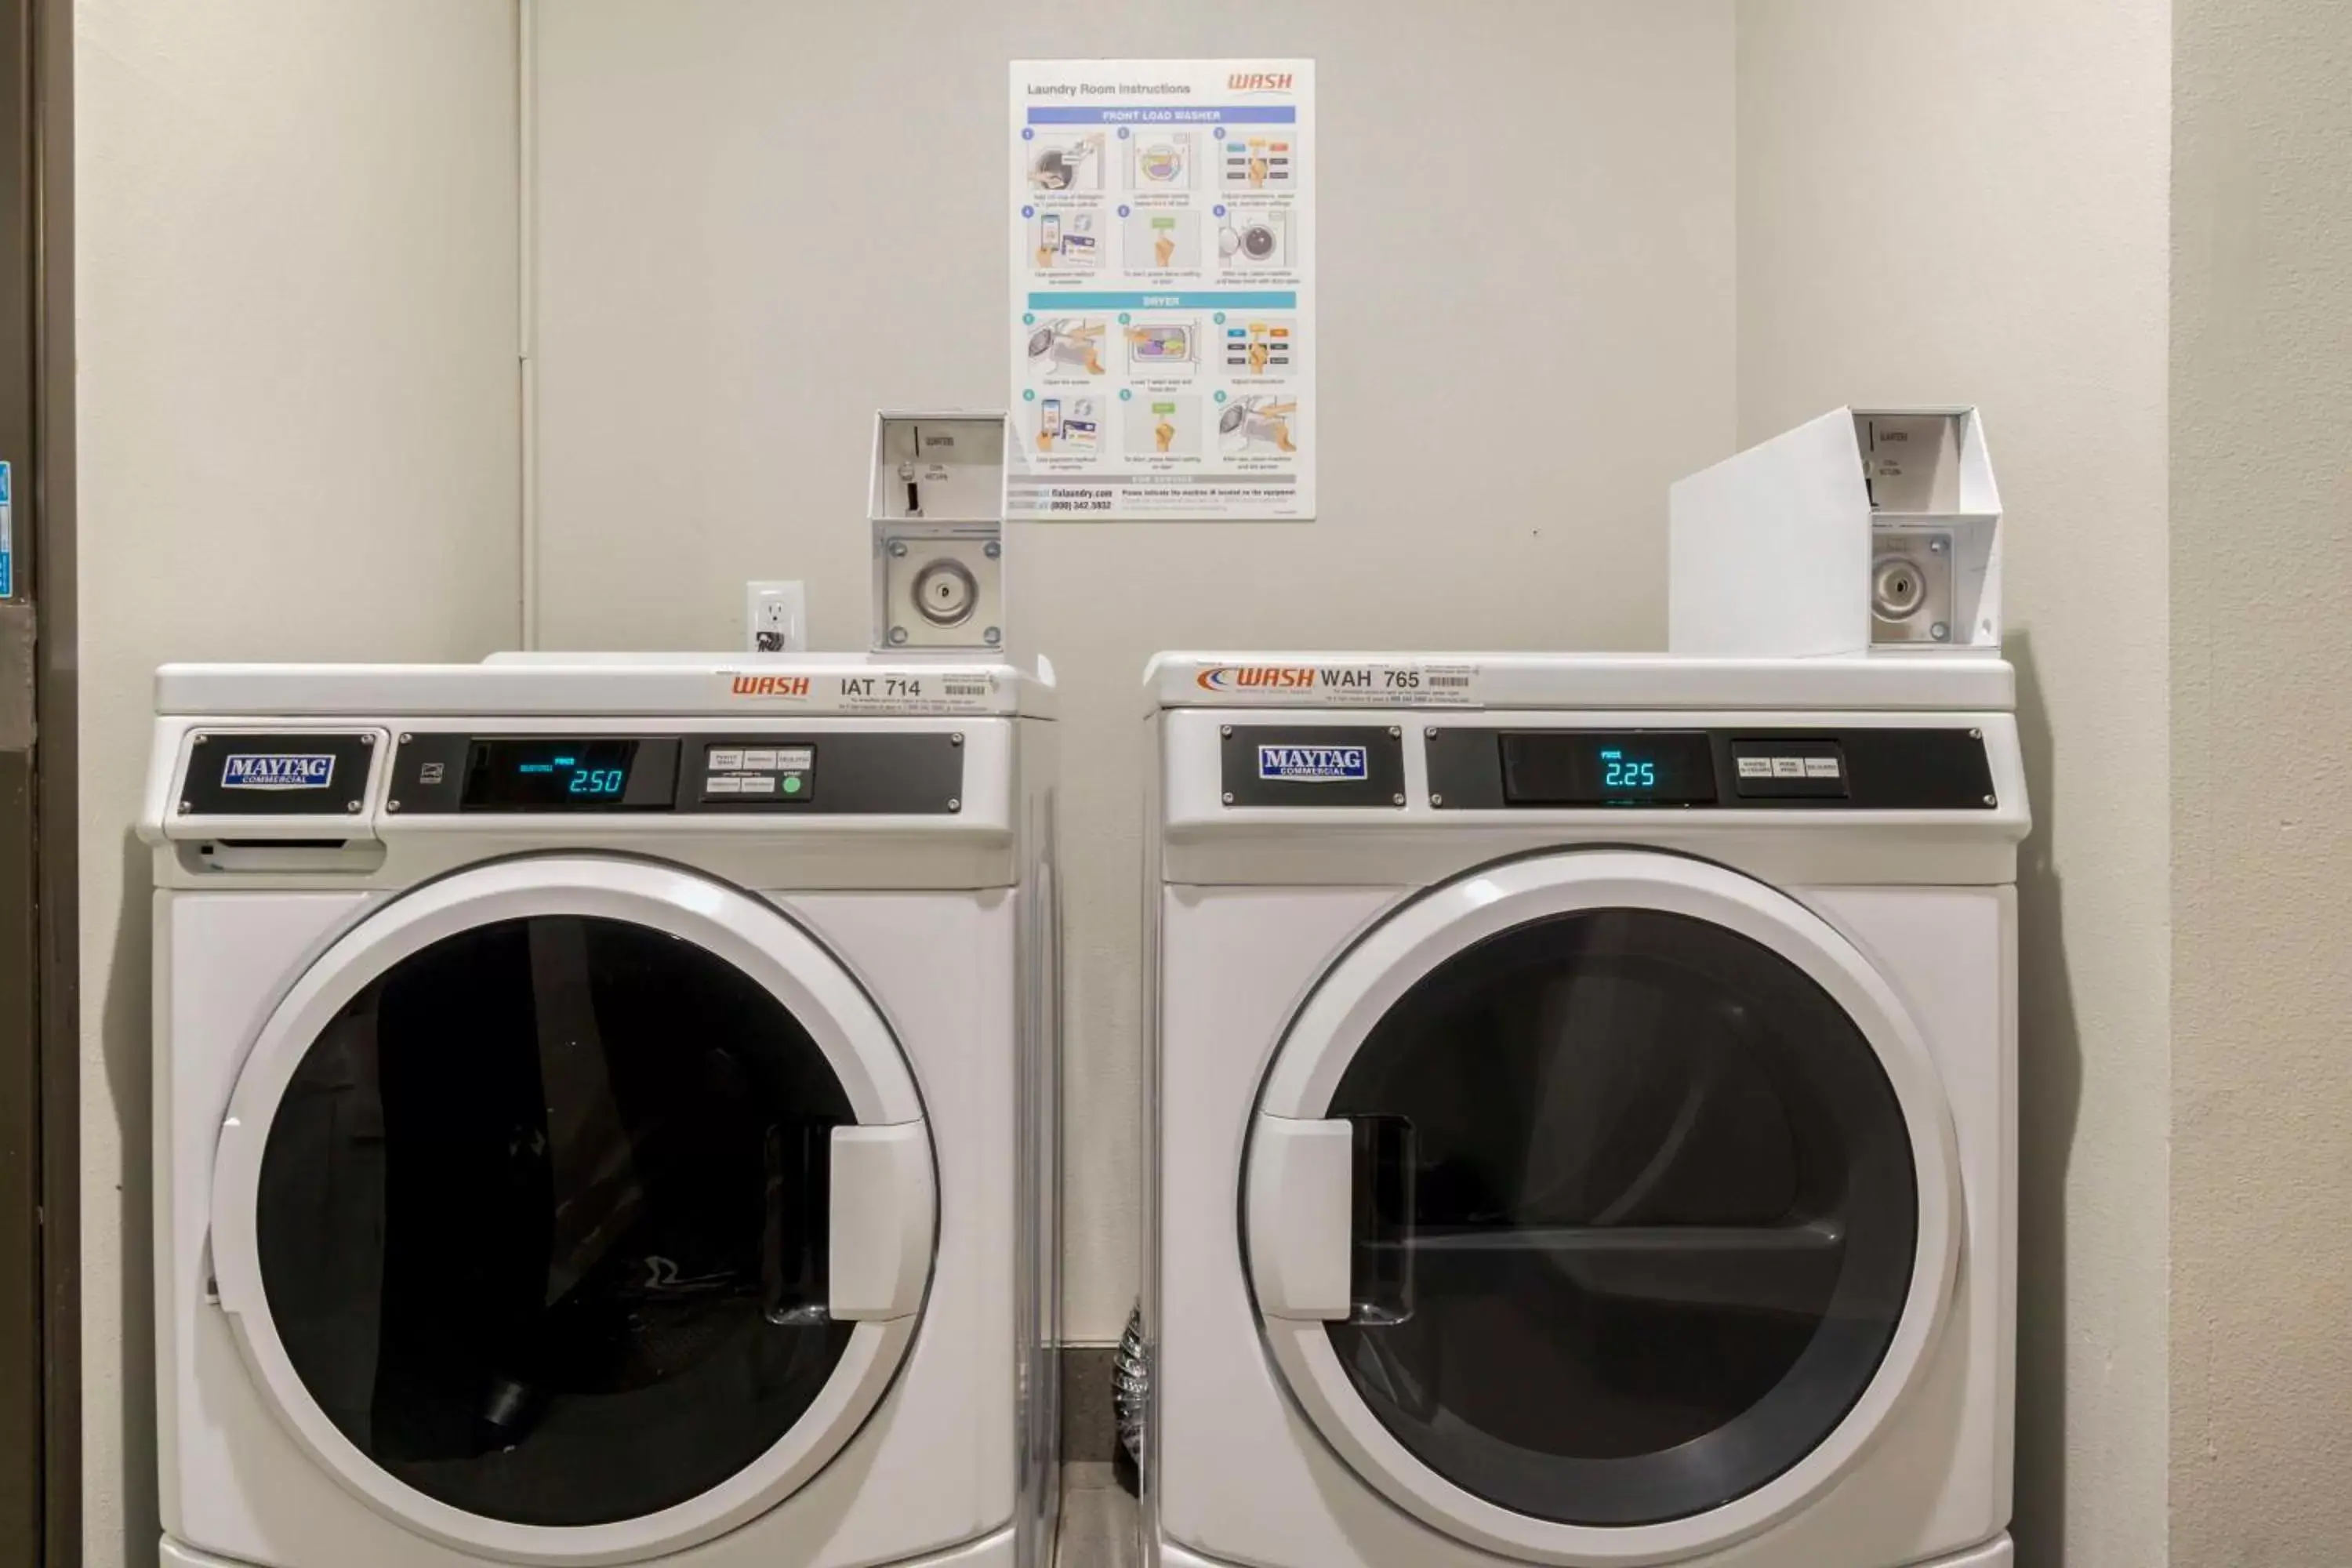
x=945 y=593
x=1898 y=589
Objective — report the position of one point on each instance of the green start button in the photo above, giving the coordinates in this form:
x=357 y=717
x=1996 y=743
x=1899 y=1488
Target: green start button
x=793 y=783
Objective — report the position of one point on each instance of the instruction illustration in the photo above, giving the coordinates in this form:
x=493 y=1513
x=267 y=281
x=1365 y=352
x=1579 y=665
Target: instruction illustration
x=1163 y=336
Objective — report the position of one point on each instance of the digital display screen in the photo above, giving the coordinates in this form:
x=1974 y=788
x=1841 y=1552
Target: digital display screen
x=551 y=775
x=1588 y=767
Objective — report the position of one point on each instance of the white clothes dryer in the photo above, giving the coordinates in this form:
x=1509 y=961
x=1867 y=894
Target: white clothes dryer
x=604 y=1113
x=1583 y=1112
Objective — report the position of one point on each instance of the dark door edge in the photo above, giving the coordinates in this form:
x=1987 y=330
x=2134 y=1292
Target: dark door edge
x=49 y=54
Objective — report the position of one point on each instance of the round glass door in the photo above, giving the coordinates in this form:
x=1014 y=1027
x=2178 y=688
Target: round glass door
x=574 y=1210
x=1648 y=1193
x=1641 y=1217
x=542 y=1220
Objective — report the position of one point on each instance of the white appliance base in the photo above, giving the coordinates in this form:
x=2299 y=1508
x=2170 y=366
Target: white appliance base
x=1997 y=1553
x=995 y=1551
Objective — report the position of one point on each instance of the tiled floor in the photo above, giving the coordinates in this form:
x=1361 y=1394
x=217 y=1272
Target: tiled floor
x=1097 y=1520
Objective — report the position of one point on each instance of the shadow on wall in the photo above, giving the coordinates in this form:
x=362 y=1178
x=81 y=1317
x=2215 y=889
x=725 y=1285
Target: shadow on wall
x=2050 y=1097
x=125 y=1031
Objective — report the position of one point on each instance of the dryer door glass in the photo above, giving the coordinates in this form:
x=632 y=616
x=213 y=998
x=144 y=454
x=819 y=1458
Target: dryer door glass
x=1636 y=1215
x=541 y=1220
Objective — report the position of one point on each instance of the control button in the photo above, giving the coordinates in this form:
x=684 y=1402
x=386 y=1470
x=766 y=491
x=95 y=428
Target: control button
x=761 y=783
x=1789 y=768
x=794 y=785
x=723 y=785
x=759 y=762
x=725 y=761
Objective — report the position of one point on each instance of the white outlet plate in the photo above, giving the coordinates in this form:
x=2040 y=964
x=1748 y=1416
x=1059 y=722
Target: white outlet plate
x=775 y=618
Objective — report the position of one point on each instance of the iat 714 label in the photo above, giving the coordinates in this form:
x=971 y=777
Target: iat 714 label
x=948 y=692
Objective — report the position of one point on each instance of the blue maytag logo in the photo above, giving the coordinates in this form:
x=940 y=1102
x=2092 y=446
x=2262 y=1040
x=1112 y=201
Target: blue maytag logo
x=278 y=770
x=1314 y=764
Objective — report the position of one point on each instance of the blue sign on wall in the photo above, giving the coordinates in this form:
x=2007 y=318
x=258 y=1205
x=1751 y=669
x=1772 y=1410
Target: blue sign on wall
x=7 y=535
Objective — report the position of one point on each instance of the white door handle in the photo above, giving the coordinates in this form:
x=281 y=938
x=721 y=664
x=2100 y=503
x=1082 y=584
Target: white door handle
x=1302 y=1182
x=235 y=1268
x=885 y=1214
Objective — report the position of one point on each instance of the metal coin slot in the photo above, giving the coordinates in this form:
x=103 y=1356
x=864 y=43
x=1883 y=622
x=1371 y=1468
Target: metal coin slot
x=945 y=593
x=1897 y=588
x=1911 y=588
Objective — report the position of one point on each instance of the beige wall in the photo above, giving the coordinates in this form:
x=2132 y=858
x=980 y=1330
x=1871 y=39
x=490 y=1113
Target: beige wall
x=756 y=227
x=297 y=421
x=2262 y=781
x=299 y=431
x=1969 y=202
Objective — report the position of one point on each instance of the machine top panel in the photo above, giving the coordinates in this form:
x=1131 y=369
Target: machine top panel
x=1882 y=682
x=761 y=687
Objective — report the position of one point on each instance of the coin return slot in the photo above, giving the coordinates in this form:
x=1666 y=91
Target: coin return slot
x=1910 y=462
x=340 y=856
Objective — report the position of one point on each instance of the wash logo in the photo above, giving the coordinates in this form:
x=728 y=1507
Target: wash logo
x=1258 y=81
x=1314 y=764
x=1285 y=678
x=770 y=686
x=278 y=770
x=1257 y=677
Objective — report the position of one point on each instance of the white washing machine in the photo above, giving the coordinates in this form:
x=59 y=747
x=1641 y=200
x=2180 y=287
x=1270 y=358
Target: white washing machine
x=1583 y=1112
x=604 y=1113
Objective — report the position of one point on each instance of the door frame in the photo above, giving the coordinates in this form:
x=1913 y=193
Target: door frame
x=885 y=1201
x=40 y=1231
x=1297 y=1175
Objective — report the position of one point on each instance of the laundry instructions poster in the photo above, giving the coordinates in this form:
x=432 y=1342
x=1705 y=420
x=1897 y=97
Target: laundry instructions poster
x=1163 y=290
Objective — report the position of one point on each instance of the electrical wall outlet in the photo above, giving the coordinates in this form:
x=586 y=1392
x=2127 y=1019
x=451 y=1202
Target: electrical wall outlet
x=775 y=618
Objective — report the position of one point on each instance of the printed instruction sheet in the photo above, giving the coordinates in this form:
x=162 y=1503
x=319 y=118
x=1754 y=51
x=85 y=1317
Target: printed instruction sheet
x=1164 y=290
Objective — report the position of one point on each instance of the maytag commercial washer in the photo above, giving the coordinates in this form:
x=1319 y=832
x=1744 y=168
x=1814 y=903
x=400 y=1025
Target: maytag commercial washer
x=604 y=1113
x=1582 y=1112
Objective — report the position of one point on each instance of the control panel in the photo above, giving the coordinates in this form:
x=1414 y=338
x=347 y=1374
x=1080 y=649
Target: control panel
x=911 y=773
x=1860 y=769
x=783 y=773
